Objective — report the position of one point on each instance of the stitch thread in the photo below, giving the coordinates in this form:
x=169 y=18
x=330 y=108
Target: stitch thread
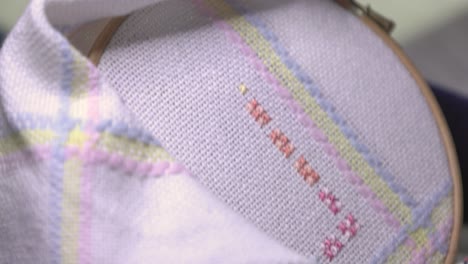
x=288 y=149
x=282 y=142
x=243 y=89
x=348 y=227
x=331 y=247
x=329 y=199
x=258 y=113
x=306 y=171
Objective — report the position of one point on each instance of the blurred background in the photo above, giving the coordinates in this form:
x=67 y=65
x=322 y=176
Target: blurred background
x=434 y=34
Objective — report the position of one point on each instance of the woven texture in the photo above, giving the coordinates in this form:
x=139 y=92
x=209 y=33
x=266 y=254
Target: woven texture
x=339 y=94
x=305 y=138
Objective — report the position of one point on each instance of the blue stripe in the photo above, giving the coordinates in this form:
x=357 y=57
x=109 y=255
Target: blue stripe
x=63 y=127
x=313 y=90
x=422 y=216
x=124 y=130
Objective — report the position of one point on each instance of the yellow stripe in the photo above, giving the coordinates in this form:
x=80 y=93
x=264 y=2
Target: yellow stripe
x=70 y=210
x=72 y=169
x=443 y=210
x=420 y=236
x=133 y=148
x=23 y=139
x=77 y=137
x=320 y=117
x=437 y=258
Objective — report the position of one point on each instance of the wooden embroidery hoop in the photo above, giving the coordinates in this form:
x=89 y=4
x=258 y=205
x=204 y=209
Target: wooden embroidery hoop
x=94 y=39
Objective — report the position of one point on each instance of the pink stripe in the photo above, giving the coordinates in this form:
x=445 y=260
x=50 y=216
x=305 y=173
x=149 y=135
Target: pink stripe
x=96 y=156
x=303 y=118
x=86 y=207
x=39 y=153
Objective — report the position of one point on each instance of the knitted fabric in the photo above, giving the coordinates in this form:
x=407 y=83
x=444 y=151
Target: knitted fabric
x=82 y=182
x=318 y=153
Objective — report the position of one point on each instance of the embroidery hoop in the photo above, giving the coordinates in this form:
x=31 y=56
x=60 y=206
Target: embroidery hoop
x=93 y=39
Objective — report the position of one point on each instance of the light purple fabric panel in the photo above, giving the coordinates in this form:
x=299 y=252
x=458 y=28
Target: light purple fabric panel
x=179 y=74
x=367 y=84
x=22 y=218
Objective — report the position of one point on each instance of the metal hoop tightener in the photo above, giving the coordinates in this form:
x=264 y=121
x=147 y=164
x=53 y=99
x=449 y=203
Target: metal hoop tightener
x=384 y=23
